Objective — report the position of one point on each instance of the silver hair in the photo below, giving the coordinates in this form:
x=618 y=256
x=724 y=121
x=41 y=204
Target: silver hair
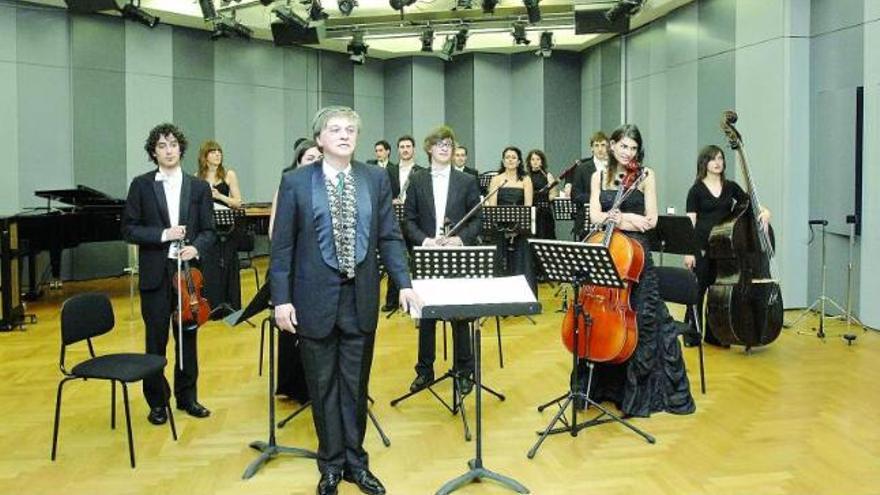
x=327 y=113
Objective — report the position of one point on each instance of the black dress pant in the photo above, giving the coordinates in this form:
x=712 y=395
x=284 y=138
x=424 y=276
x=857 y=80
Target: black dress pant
x=337 y=373
x=461 y=342
x=157 y=307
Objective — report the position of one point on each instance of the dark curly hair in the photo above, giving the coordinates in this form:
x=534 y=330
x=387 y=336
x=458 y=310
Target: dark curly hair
x=520 y=169
x=162 y=130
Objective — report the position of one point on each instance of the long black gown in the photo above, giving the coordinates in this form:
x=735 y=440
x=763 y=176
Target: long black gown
x=654 y=379
x=545 y=225
x=513 y=254
x=221 y=266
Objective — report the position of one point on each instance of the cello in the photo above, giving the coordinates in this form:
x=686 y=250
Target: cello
x=610 y=333
x=744 y=305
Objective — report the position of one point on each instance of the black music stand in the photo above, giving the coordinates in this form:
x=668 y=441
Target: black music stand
x=578 y=264
x=461 y=262
x=385 y=440
x=674 y=234
x=270 y=449
x=510 y=221
x=563 y=209
x=485 y=180
x=226 y=222
x=452 y=299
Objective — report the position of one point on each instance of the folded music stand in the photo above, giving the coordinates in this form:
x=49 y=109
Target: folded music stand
x=452 y=299
x=578 y=264
x=269 y=449
x=460 y=262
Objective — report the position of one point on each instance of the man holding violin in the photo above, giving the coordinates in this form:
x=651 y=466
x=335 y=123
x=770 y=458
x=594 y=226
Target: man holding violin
x=437 y=198
x=168 y=214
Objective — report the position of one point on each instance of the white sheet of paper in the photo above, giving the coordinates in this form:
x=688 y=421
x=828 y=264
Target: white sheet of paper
x=463 y=291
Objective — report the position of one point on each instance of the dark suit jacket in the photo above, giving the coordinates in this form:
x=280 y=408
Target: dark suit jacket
x=420 y=219
x=580 y=182
x=146 y=216
x=303 y=267
x=469 y=170
x=394 y=176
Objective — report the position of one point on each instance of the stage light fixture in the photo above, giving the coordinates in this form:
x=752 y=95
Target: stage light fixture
x=427 y=39
x=461 y=38
x=400 y=4
x=624 y=8
x=448 y=50
x=227 y=27
x=316 y=11
x=288 y=16
x=463 y=4
x=489 y=6
x=134 y=12
x=90 y=6
x=346 y=6
x=357 y=49
x=519 y=33
x=533 y=10
x=545 y=47
x=208 y=10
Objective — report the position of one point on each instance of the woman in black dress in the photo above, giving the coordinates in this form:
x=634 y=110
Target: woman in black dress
x=654 y=378
x=709 y=201
x=513 y=249
x=291 y=376
x=545 y=226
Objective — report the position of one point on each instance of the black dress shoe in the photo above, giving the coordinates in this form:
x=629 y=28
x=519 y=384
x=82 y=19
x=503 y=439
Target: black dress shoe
x=195 y=409
x=465 y=384
x=389 y=307
x=329 y=481
x=421 y=382
x=158 y=415
x=364 y=480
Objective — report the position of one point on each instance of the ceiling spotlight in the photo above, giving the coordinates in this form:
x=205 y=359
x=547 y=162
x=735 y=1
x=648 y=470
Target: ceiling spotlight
x=316 y=11
x=461 y=38
x=288 y=16
x=489 y=6
x=448 y=50
x=519 y=33
x=357 y=49
x=533 y=10
x=400 y=4
x=463 y=4
x=267 y=3
x=545 y=48
x=208 y=11
x=228 y=27
x=427 y=39
x=135 y=13
x=624 y=8
x=346 y=6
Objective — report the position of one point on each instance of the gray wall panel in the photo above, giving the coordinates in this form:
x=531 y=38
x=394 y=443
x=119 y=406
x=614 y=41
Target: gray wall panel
x=9 y=191
x=99 y=130
x=681 y=108
x=336 y=79
x=716 y=92
x=759 y=20
x=528 y=108
x=43 y=37
x=682 y=26
x=149 y=51
x=562 y=113
x=253 y=63
x=717 y=26
x=299 y=109
x=193 y=90
x=398 y=101
x=8 y=34
x=193 y=54
x=428 y=100
x=459 y=99
x=491 y=109
x=369 y=101
x=832 y=15
x=97 y=42
x=299 y=68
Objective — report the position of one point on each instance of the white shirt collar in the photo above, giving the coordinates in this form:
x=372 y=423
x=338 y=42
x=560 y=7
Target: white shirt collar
x=175 y=176
x=331 y=172
x=440 y=171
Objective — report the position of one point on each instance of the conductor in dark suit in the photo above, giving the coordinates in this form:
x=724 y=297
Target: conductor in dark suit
x=332 y=217
x=583 y=174
x=163 y=206
x=438 y=198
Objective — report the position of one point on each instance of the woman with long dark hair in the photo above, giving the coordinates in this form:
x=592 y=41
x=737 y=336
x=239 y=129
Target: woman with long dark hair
x=545 y=225
x=709 y=201
x=654 y=378
x=223 y=181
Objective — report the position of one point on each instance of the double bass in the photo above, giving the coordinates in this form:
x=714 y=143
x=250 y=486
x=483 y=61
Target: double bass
x=744 y=306
x=610 y=333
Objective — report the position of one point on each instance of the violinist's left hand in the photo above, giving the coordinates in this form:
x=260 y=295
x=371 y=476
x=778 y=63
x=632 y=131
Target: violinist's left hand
x=187 y=253
x=764 y=220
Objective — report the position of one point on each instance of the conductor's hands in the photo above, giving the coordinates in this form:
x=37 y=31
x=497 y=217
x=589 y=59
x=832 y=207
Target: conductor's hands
x=285 y=317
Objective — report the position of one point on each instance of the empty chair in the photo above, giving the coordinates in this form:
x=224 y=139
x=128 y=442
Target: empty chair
x=679 y=286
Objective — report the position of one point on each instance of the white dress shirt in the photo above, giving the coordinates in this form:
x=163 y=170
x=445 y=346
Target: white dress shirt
x=402 y=175
x=171 y=184
x=332 y=172
x=440 y=185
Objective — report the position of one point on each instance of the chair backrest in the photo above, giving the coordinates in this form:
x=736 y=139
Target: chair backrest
x=677 y=285
x=85 y=316
x=246 y=240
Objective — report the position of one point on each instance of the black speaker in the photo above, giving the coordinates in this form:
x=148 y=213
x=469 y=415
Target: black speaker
x=591 y=21
x=286 y=34
x=90 y=6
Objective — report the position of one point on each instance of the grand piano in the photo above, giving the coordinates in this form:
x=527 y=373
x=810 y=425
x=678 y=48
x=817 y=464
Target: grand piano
x=90 y=216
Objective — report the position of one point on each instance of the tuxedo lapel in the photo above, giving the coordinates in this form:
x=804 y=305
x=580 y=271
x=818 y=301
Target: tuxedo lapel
x=185 y=194
x=321 y=217
x=428 y=194
x=159 y=192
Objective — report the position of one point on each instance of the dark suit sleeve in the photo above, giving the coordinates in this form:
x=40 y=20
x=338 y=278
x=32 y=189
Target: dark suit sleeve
x=471 y=229
x=134 y=230
x=580 y=185
x=283 y=242
x=207 y=235
x=414 y=234
x=390 y=242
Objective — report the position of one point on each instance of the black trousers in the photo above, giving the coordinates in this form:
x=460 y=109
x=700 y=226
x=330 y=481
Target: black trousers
x=337 y=371
x=157 y=307
x=461 y=342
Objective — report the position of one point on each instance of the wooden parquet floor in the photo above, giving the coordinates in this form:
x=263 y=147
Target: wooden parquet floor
x=797 y=417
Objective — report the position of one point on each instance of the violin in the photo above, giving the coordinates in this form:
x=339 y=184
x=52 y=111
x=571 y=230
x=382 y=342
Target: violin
x=193 y=307
x=606 y=323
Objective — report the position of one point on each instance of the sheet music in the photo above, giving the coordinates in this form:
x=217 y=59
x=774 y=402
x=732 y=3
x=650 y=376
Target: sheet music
x=465 y=291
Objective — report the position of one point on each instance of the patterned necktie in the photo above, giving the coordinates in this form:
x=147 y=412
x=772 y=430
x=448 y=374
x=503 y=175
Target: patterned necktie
x=343 y=211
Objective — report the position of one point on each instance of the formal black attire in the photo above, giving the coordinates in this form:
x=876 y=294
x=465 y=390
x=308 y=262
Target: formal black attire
x=144 y=220
x=468 y=170
x=514 y=257
x=545 y=225
x=337 y=313
x=420 y=222
x=580 y=192
x=654 y=378
x=220 y=265
x=710 y=211
x=392 y=291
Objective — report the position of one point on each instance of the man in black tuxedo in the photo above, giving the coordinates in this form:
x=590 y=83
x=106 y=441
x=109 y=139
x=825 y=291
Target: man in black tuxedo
x=583 y=174
x=436 y=198
x=459 y=161
x=332 y=217
x=165 y=206
x=383 y=154
x=400 y=174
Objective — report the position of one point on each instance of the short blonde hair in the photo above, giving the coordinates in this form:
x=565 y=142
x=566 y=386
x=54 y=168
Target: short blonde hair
x=438 y=134
x=327 y=113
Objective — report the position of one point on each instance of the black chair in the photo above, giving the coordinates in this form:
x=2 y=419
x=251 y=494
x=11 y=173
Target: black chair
x=90 y=315
x=246 y=245
x=679 y=286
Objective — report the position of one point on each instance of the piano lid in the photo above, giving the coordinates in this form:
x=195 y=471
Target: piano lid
x=82 y=196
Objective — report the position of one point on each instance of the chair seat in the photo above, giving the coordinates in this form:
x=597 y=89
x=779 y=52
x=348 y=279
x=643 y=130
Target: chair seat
x=677 y=285
x=124 y=367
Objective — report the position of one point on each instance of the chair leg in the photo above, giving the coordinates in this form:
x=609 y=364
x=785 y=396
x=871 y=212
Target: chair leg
x=256 y=276
x=112 y=404
x=500 y=349
x=128 y=423
x=57 y=417
x=170 y=412
x=700 y=327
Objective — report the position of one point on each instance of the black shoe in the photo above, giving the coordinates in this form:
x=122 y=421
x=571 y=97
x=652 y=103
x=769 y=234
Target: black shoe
x=421 y=381
x=158 y=415
x=364 y=480
x=329 y=481
x=195 y=409
x=389 y=307
x=465 y=384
